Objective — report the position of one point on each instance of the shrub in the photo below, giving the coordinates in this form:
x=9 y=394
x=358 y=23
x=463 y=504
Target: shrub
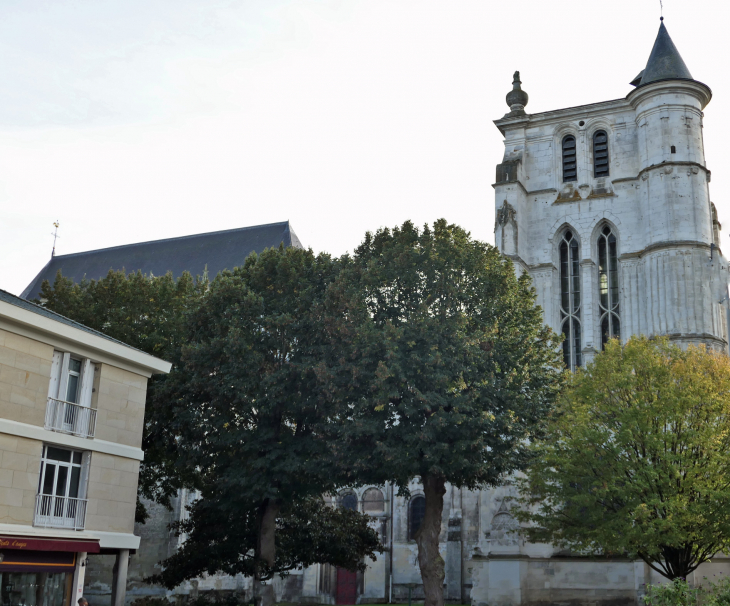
x=676 y=593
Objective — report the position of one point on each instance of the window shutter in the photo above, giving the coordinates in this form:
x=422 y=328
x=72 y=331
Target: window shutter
x=55 y=374
x=570 y=170
x=87 y=382
x=600 y=154
x=84 y=478
x=63 y=379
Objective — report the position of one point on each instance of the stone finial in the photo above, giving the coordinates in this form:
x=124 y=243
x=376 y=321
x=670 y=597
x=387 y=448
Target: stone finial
x=517 y=98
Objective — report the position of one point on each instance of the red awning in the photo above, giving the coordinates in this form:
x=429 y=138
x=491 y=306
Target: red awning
x=49 y=544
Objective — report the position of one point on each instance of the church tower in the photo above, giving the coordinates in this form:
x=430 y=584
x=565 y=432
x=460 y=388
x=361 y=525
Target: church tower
x=607 y=207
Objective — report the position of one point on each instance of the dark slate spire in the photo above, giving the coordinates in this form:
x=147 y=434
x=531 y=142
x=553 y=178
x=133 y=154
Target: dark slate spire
x=665 y=62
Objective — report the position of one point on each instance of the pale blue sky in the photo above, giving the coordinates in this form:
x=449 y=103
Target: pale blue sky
x=143 y=119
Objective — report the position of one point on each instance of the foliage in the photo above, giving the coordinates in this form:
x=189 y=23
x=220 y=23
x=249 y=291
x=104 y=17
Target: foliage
x=260 y=380
x=637 y=462
x=463 y=370
x=148 y=313
x=222 y=539
x=717 y=594
x=676 y=593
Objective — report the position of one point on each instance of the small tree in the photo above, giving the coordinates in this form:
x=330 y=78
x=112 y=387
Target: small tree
x=221 y=538
x=637 y=462
x=463 y=370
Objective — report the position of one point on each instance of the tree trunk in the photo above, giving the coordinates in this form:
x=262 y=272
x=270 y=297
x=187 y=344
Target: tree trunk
x=429 y=559
x=266 y=548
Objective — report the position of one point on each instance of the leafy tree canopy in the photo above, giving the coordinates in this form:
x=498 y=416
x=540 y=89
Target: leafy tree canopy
x=261 y=380
x=637 y=461
x=466 y=373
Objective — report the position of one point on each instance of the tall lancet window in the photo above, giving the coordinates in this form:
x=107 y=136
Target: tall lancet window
x=570 y=170
x=600 y=154
x=570 y=299
x=608 y=286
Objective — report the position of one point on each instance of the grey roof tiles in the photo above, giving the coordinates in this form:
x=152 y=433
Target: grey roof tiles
x=214 y=251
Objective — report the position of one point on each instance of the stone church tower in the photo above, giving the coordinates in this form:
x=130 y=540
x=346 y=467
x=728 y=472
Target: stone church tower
x=607 y=207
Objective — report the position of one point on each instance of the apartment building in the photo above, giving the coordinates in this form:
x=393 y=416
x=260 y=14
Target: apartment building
x=71 y=419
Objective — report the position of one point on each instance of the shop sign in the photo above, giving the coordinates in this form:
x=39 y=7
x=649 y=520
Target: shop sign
x=48 y=544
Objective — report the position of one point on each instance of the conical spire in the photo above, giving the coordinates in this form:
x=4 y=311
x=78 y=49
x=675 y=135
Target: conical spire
x=665 y=62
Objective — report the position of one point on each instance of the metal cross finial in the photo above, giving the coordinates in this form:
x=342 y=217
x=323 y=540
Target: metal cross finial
x=661 y=11
x=55 y=237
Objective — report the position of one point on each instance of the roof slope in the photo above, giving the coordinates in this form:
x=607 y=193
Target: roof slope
x=665 y=62
x=214 y=251
x=6 y=297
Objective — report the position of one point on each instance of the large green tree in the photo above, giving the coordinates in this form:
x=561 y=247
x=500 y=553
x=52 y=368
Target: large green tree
x=464 y=375
x=261 y=380
x=637 y=460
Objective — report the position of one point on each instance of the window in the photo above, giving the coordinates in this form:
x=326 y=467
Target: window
x=62 y=488
x=373 y=501
x=69 y=396
x=600 y=154
x=608 y=286
x=570 y=172
x=72 y=379
x=674 y=149
x=415 y=517
x=349 y=501
x=570 y=299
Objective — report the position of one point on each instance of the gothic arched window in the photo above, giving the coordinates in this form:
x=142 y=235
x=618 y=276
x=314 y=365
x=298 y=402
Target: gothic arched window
x=570 y=172
x=608 y=286
x=415 y=516
x=570 y=299
x=600 y=154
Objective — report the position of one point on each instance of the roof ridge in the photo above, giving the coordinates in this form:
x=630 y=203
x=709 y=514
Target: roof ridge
x=188 y=237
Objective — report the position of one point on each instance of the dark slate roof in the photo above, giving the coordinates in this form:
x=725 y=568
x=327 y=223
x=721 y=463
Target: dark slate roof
x=47 y=313
x=215 y=251
x=665 y=62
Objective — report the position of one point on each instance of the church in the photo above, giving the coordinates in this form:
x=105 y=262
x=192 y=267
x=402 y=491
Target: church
x=607 y=207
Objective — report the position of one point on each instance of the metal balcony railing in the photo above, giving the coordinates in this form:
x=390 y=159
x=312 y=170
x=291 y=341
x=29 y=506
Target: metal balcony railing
x=67 y=417
x=59 y=512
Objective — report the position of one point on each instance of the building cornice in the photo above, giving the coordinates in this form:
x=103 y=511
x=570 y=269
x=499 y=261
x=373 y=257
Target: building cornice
x=46 y=330
x=107 y=540
x=666 y=245
x=700 y=91
x=33 y=432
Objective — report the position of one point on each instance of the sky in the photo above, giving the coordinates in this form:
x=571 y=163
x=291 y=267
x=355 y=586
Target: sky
x=135 y=120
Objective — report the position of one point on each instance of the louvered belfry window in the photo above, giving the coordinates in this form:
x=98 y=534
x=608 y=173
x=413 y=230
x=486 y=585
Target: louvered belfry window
x=570 y=299
x=570 y=172
x=600 y=154
x=608 y=286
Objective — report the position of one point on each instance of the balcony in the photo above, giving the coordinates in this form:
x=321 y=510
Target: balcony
x=67 y=417
x=59 y=512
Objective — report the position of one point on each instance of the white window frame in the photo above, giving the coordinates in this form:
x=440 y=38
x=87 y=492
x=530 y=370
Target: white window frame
x=64 y=510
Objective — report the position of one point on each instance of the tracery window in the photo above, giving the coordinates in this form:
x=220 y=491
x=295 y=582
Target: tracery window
x=570 y=171
x=570 y=303
x=415 y=518
x=600 y=154
x=608 y=286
